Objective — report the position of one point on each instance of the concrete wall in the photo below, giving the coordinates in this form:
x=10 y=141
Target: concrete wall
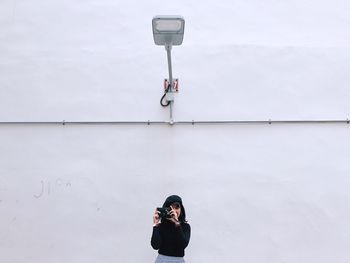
x=253 y=193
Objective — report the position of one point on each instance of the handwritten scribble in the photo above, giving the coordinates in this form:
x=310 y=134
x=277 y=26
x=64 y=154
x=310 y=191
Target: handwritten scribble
x=58 y=182
x=49 y=188
x=42 y=190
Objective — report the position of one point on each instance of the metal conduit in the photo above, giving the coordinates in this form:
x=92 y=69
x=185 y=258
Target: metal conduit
x=191 y=122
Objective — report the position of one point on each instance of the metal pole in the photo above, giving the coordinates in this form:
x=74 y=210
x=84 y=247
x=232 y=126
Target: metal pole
x=168 y=51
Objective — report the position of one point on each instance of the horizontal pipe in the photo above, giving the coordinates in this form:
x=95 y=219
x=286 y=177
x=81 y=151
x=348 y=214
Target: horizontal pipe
x=191 y=122
x=264 y=122
x=82 y=122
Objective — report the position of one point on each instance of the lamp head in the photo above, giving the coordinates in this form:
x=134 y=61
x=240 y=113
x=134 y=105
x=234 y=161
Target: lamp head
x=168 y=30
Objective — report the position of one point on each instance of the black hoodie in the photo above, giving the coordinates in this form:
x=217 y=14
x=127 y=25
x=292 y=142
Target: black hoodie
x=171 y=240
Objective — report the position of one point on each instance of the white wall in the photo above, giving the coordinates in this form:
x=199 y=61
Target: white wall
x=253 y=193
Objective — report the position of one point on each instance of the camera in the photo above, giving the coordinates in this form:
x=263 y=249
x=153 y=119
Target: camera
x=164 y=212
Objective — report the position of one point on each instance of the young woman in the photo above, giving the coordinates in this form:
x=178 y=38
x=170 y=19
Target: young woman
x=171 y=234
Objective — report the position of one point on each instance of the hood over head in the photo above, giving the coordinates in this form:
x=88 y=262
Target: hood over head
x=172 y=199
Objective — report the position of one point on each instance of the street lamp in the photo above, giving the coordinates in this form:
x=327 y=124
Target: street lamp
x=168 y=31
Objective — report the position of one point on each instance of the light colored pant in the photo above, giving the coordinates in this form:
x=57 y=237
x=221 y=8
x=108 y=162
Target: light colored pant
x=167 y=259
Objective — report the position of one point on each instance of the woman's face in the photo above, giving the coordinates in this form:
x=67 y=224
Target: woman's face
x=177 y=208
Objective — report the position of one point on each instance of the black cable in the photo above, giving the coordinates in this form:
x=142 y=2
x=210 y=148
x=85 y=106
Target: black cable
x=162 y=98
x=161 y=101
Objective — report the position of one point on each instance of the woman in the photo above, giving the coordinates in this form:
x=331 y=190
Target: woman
x=171 y=234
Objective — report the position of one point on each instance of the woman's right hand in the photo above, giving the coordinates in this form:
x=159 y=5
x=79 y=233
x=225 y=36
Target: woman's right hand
x=156 y=218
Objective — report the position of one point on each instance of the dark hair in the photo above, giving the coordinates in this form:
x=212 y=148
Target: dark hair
x=176 y=199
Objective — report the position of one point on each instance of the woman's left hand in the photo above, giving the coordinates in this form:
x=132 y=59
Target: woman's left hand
x=174 y=217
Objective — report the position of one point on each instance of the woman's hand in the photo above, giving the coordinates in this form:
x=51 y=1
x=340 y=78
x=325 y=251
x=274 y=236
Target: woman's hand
x=174 y=217
x=156 y=218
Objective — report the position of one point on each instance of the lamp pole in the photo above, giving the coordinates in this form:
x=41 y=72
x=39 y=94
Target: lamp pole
x=170 y=91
